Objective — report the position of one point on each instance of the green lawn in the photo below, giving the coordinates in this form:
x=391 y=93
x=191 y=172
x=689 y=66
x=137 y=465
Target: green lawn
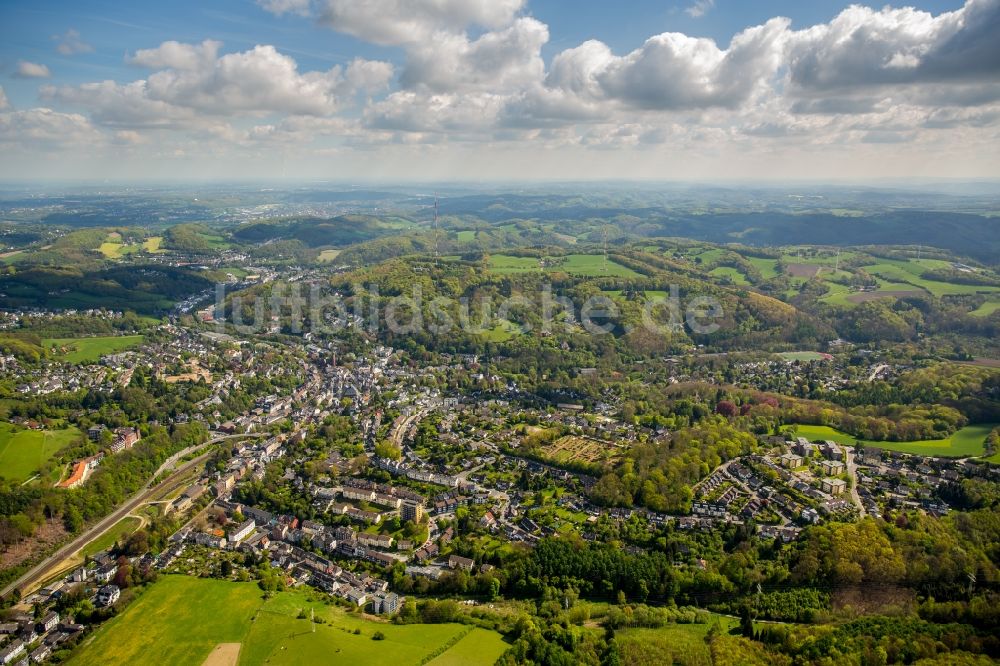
x=466 y=236
x=502 y=332
x=966 y=442
x=23 y=451
x=83 y=350
x=728 y=271
x=815 y=432
x=180 y=619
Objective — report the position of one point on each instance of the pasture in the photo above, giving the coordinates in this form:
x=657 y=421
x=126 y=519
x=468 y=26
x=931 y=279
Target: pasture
x=327 y=255
x=86 y=350
x=23 y=451
x=181 y=620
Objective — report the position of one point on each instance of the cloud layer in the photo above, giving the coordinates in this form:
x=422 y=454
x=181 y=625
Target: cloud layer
x=472 y=72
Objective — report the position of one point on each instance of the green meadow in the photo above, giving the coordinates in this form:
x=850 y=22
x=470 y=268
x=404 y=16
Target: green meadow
x=179 y=620
x=729 y=272
x=966 y=442
x=84 y=350
x=986 y=309
x=23 y=451
x=911 y=270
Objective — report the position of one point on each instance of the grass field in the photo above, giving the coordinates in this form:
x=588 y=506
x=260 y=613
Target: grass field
x=986 y=309
x=152 y=244
x=23 y=451
x=671 y=644
x=83 y=350
x=502 y=332
x=910 y=271
x=121 y=530
x=802 y=356
x=328 y=255
x=466 y=236
x=181 y=619
x=587 y=265
x=768 y=267
x=728 y=271
x=966 y=442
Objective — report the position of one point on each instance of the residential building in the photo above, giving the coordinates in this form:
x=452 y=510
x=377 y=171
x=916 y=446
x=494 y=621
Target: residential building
x=834 y=486
x=411 y=511
x=459 y=562
x=108 y=595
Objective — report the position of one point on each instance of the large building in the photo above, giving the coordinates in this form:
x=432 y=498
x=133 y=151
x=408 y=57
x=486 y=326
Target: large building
x=412 y=511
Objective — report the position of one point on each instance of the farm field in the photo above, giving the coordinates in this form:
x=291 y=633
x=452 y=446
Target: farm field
x=466 y=236
x=966 y=442
x=83 y=350
x=328 y=255
x=23 y=451
x=166 y=626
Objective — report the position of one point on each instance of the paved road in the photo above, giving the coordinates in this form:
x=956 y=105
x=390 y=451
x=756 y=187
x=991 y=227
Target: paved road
x=852 y=471
x=37 y=574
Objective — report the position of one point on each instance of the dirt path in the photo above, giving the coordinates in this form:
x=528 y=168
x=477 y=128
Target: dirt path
x=224 y=654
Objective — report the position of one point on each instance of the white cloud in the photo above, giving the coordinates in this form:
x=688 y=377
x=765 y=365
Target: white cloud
x=497 y=61
x=674 y=71
x=175 y=55
x=700 y=8
x=46 y=128
x=192 y=81
x=70 y=43
x=31 y=70
x=3 y=100
x=864 y=48
x=281 y=7
x=472 y=72
x=398 y=22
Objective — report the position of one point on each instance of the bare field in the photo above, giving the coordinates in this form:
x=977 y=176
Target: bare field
x=802 y=270
x=224 y=654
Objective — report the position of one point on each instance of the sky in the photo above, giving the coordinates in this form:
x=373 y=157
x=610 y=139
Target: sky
x=487 y=90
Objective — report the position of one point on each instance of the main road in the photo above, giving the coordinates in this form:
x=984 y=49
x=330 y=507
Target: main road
x=43 y=570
